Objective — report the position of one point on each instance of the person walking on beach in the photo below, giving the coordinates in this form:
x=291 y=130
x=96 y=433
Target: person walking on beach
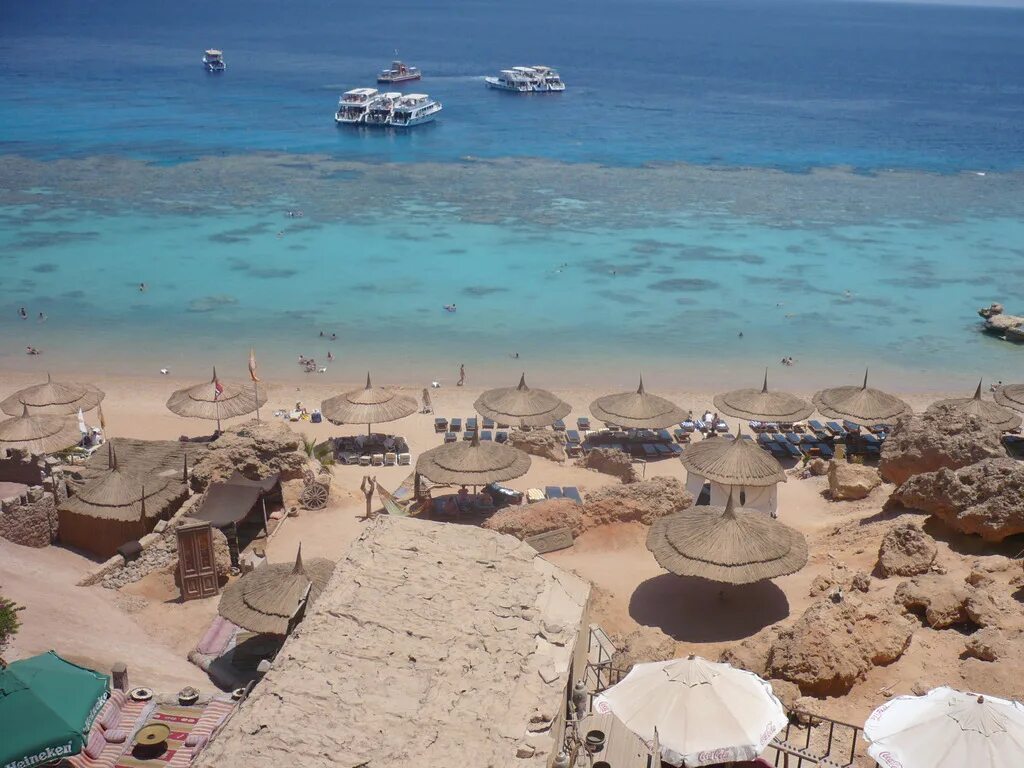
x=462 y=374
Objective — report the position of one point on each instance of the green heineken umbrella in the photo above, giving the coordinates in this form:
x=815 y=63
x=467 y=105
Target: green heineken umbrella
x=47 y=706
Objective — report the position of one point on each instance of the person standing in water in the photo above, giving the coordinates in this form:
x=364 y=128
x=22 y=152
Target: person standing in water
x=462 y=374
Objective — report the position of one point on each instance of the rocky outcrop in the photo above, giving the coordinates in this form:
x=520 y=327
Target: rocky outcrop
x=993 y=309
x=30 y=518
x=221 y=559
x=1001 y=323
x=818 y=467
x=541 y=517
x=991 y=644
x=538 y=442
x=942 y=436
x=642 y=645
x=986 y=498
x=642 y=502
x=610 y=462
x=906 y=550
x=849 y=482
x=939 y=601
x=255 y=450
x=836 y=642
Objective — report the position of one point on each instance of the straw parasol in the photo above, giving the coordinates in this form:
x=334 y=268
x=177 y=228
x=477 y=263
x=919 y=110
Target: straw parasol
x=699 y=711
x=947 y=728
x=1011 y=396
x=216 y=400
x=733 y=462
x=38 y=434
x=53 y=398
x=268 y=599
x=985 y=411
x=369 y=405
x=762 y=405
x=637 y=409
x=472 y=463
x=521 y=406
x=861 y=405
x=727 y=545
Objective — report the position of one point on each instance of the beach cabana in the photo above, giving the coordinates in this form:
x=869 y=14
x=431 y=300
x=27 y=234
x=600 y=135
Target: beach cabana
x=47 y=706
x=985 y=411
x=215 y=400
x=272 y=599
x=117 y=507
x=53 y=398
x=228 y=505
x=368 y=405
x=472 y=463
x=861 y=405
x=38 y=434
x=730 y=545
x=738 y=467
x=947 y=728
x=699 y=712
x=1011 y=396
x=763 y=405
x=521 y=406
x=638 y=410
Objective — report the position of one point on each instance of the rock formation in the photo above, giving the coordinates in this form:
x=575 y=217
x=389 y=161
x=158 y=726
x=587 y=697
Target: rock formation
x=991 y=644
x=939 y=601
x=906 y=550
x=644 y=502
x=836 y=642
x=538 y=442
x=610 y=462
x=532 y=519
x=942 y=436
x=255 y=450
x=986 y=498
x=849 y=482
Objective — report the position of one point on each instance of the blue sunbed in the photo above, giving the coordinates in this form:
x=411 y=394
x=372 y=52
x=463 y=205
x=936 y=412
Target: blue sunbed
x=553 y=492
x=583 y=424
x=677 y=450
x=456 y=425
x=469 y=434
x=573 y=494
x=650 y=451
x=440 y=425
x=662 y=449
x=558 y=426
x=572 y=436
x=501 y=437
x=450 y=437
x=825 y=451
x=488 y=423
x=836 y=429
x=486 y=435
x=471 y=423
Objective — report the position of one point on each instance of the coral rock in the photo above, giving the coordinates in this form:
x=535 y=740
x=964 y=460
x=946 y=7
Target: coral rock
x=537 y=518
x=538 y=442
x=848 y=482
x=643 y=502
x=609 y=461
x=906 y=550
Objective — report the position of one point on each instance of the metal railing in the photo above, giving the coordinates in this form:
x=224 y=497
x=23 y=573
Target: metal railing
x=816 y=740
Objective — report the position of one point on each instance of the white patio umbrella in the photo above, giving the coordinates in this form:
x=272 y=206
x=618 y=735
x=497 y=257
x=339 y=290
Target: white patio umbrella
x=701 y=712
x=947 y=728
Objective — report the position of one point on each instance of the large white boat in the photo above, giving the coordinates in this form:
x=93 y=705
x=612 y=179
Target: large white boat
x=414 y=109
x=399 y=73
x=213 y=60
x=538 y=79
x=353 y=105
x=380 y=109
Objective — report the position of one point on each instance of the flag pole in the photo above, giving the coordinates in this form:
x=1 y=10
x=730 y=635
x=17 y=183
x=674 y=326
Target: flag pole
x=255 y=381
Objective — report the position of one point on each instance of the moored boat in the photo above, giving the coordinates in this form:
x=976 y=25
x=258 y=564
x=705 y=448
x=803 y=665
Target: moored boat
x=213 y=60
x=538 y=79
x=380 y=109
x=353 y=105
x=399 y=73
x=414 y=109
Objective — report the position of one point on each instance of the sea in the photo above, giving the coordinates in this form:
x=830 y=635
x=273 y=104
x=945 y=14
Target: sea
x=723 y=184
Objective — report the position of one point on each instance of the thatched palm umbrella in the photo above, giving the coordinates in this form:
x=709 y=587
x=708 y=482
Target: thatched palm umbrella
x=216 y=400
x=733 y=466
x=861 y=405
x=521 y=406
x=729 y=545
x=369 y=405
x=762 y=405
x=1011 y=396
x=472 y=463
x=984 y=411
x=269 y=599
x=53 y=398
x=637 y=409
x=38 y=434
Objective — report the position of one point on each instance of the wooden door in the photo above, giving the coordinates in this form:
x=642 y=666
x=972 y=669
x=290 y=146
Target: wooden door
x=195 y=561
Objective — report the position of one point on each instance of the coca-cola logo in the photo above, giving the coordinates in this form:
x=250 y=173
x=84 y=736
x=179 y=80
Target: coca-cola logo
x=890 y=760
x=601 y=707
x=880 y=711
x=720 y=755
x=766 y=735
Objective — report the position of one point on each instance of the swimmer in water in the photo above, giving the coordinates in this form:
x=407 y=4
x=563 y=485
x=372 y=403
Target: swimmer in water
x=142 y=287
x=42 y=317
x=23 y=314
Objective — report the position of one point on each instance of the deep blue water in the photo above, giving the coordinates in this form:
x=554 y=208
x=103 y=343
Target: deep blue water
x=729 y=82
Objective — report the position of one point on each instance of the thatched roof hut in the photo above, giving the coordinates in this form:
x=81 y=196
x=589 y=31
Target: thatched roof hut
x=639 y=410
x=861 y=405
x=734 y=466
x=729 y=545
x=521 y=406
x=762 y=405
x=985 y=411
x=53 y=398
x=472 y=463
x=216 y=400
x=38 y=434
x=1011 y=396
x=368 y=405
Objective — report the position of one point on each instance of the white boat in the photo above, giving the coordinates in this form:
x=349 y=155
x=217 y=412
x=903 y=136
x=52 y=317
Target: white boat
x=352 y=105
x=399 y=73
x=380 y=109
x=213 y=60
x=538 y=79
x=414 y=109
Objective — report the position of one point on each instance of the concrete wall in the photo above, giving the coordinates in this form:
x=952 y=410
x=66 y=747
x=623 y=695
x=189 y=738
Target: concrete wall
x=29 y=519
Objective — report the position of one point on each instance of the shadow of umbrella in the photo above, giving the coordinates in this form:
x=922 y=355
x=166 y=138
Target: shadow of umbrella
x=694 y=610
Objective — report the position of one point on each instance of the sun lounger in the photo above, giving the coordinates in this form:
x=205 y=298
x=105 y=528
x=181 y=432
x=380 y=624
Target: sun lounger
x=469 y=434
x=404 y=459
x=377 y=459
x=390 y=459
x=675 y=449
x=836 y=429
x=534 y=495
x=721 y=426
x=793 y=437
x=574 y=450
x=501 y=437
x=791 y=450
x=440 y=425
x=456 y=425
x=849 y=426
x=487 y=435
x=364 y=460
x=583 y=424
x=663 y=450
x=488 y=423
x=572 y=493
x=502 y=426
x=687 y=426
x=825 y=451
x=649 y=451
x=558 y=426
x=471 y=423
x=450 y=437
x=553 y=492
x=817 y=426
x=681 y=435
x=572 y=436
x=699 y=425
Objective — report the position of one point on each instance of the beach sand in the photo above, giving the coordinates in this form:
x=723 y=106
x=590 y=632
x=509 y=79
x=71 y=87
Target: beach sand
x=632 y=592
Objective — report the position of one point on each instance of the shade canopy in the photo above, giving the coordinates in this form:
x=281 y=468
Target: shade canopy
x=38 y=434
x=985 y=411
x=638 y=410
x=521 y=406
x=762 y=405
x=226 y=504
x=268 y=599
x=733 y=462
x=47 y=705
x=730 y=545
x=204 y=401
x=368 y=405
x=700 y=712
x=1011 y=396
x=53 y=398
x=472 y=463
x=861 y=405
x=947 y=729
